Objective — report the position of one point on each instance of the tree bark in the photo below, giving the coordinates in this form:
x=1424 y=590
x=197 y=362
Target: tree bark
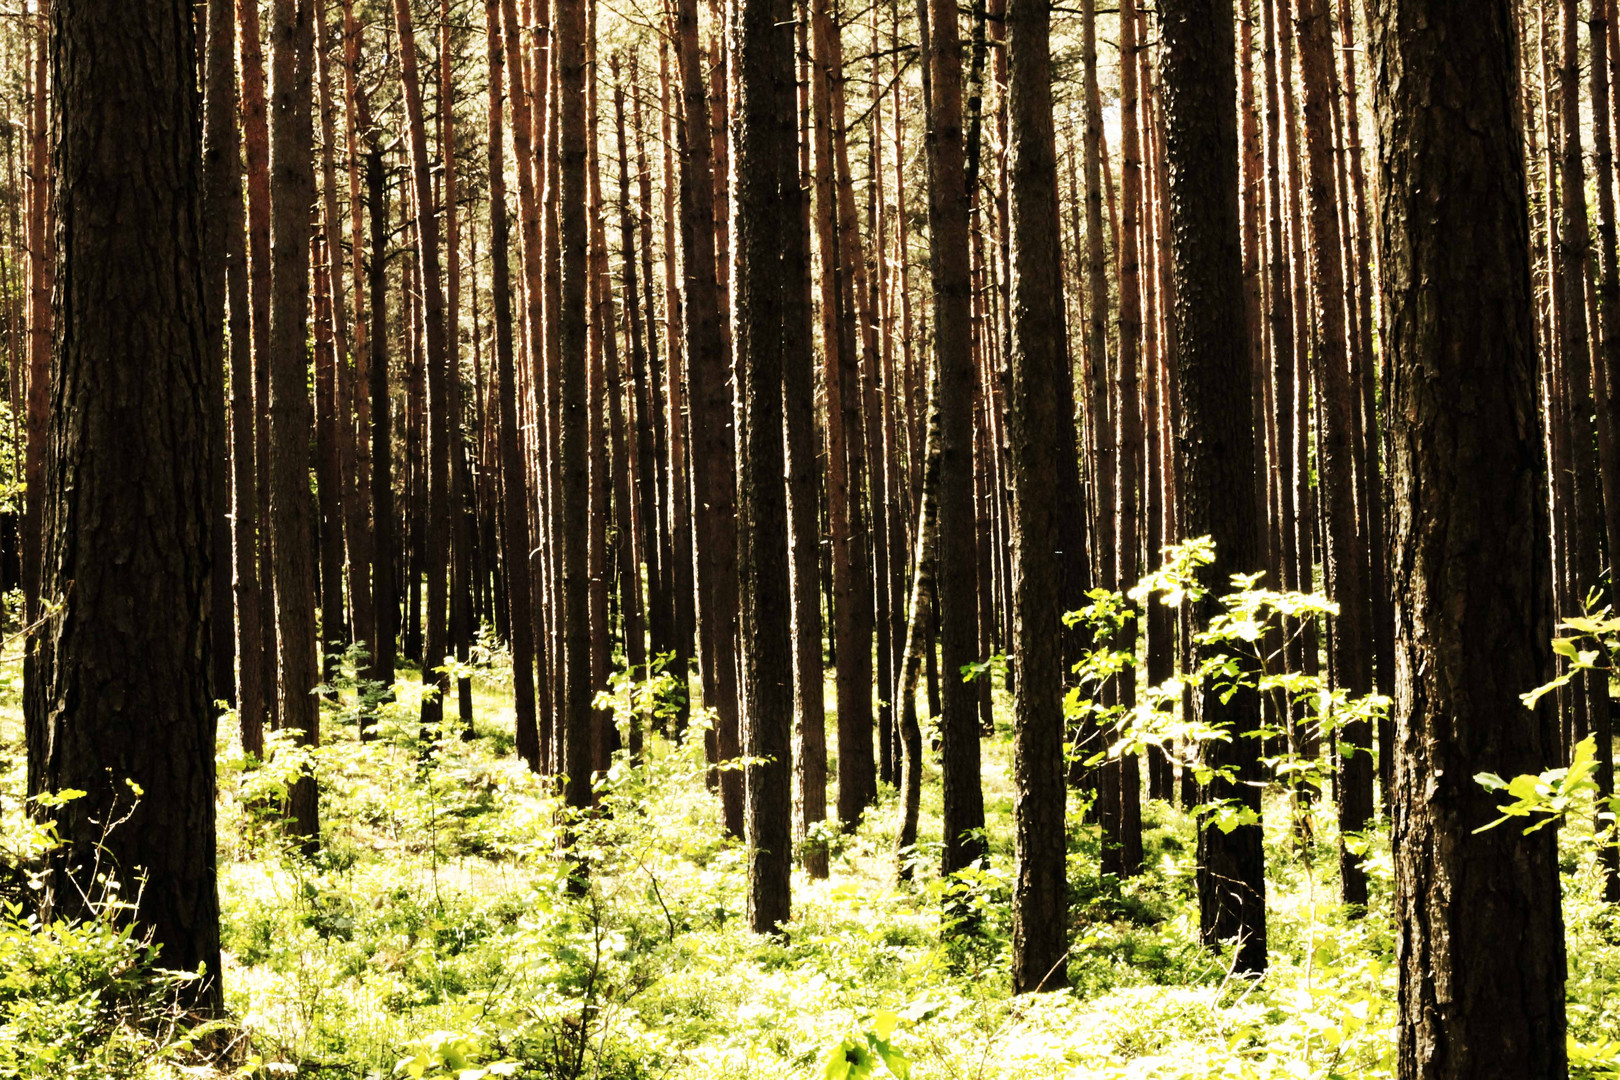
x=767 y=181
x=123 y=671
x=1038 y=361
x=1481 y=949
x=514 y=514
x=956 y=577
x=1214 y=432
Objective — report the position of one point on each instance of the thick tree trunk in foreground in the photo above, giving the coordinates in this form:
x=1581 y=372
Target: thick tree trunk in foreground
x=1215 y=432
x=122 y=682
x=1481 y=946
x=1038 y=361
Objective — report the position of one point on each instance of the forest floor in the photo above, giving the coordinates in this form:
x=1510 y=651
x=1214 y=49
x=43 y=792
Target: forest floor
x=434 y=936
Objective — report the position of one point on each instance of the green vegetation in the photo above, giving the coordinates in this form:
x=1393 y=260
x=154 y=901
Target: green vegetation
x=436 y=936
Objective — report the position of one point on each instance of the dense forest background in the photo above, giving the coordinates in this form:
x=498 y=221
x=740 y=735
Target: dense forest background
x=590 y=538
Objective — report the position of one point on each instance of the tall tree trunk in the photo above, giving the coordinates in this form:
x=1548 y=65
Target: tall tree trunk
x=123 y=669
x=713 y=447
x=956 y=577
x=434 y=542
x=1038 y=362
x=573 y=468
x=1215 y=433
x=256 y=156
x=1339 y=400
x=292 y=193
x=803 y=502
x=1608 y=295
x=767 y=182
x=514 y=514
x=222 y=247
x=384 y=551
x=1481 y=984
x=1124 y=848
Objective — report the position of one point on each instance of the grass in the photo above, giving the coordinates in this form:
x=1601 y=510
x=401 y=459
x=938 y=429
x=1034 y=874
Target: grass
x=435 y=935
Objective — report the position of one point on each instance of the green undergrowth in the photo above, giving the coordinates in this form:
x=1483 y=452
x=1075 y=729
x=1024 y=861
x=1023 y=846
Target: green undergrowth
x=436 y=935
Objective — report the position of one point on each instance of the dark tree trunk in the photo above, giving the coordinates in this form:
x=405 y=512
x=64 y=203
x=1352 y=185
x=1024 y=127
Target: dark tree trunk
x=1038 y=362
x=573 y=468
x=767 y=185
x=713 y=449
x=1338 y=401
x=292 y=193
x=514 y=514
x=1481 y=948
x=383 y=580
x=221 y=180
x=1215 y=432
x=956 y=573
x=122 y=686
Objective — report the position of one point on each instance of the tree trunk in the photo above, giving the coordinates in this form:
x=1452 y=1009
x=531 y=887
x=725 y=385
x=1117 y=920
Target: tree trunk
x=1215 y=433
x=1481 y=951
x=514 y=514
x=123 y=665
x=1038 y=362
x=713 y=445
x=1338 y=400
x=767 y=181
x=956 y=576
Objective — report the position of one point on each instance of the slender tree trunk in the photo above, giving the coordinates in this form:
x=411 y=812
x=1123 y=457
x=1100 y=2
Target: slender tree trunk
x=956 y=584
x=383 y=575
x=713 y=447
x=1038 y=362
x=573 y=468
x=1481 y=985
x=1608 y=294
x=434 y=541
x=256 y=156
x=514 y=514
x=1338 y=400
x=804 y=526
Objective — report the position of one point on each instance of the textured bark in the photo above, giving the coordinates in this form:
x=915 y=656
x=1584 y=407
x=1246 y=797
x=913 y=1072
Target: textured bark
x=1608 y=297
x=434 y=543
x=1214 y=432
x=1481 y=943
x=767 y=181
x=955 y=580
x=573 y=468
x=804 y=517
x=1122 y=851
x=1338 y=399
x=384 y=550
x=918 y=614
x=1037 y=362
x=713 y=450
x=256 y=158
x=123 y=664
x=514 y=489
x=221 y=147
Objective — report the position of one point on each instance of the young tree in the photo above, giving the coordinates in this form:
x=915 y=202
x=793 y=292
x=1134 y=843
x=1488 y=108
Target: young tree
x=1481 y=948
x=1199 y=81
x=1038 y=361
x=122 y=685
